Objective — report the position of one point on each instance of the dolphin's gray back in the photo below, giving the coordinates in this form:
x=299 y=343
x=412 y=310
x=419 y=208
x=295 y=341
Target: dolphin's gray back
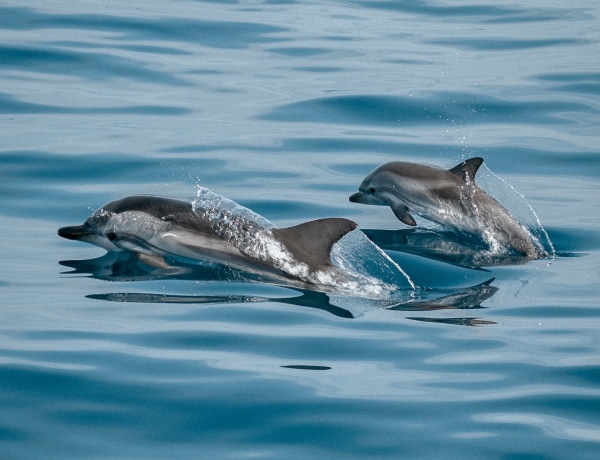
x=309 y=243
x=459 y=175
x=166 y=209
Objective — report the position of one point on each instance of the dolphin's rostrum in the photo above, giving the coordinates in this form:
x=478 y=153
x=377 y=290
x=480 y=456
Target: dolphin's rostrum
x=448 y=197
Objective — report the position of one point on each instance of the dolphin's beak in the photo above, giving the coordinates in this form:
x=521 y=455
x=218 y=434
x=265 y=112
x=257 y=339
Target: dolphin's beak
x=87 y=235
x=76 y=232
x=356 y=197
x=367 y=198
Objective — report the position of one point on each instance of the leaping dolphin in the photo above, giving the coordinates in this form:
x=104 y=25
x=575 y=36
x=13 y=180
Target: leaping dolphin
x=153 y=227
x=450 y=198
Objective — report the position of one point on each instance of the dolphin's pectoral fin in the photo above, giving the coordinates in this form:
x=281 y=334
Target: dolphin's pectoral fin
x=467 y=169
x=143 y=250
x=154 y=260
x=401 y=212
x=311 y=242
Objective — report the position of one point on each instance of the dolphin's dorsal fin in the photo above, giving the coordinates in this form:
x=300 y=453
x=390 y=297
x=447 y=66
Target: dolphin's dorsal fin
x=467 y=169
x=311 y=242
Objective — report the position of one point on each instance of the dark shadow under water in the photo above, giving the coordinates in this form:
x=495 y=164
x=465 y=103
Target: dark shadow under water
x=126 y=267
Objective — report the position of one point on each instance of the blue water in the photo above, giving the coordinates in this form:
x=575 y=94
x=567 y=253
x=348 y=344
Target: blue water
x=284 y=107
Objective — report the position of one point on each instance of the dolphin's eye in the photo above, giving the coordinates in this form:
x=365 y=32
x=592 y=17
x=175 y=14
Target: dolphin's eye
x=111 y=236
x=371 y=190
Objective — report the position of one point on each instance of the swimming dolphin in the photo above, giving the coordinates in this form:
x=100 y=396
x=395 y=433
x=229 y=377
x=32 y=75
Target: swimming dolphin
x=153 y=227
x=448 y=197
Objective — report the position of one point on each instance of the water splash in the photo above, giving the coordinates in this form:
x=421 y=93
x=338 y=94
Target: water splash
x=359 y=266
x=357 y=255
x=519 y=208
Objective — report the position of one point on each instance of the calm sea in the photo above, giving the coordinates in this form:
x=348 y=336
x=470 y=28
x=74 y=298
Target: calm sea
x=284 y=107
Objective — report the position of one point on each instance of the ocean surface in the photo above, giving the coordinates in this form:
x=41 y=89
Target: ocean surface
x=284 y=107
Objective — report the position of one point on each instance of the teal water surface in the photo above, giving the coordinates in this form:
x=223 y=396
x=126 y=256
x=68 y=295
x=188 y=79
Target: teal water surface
x=284 y=107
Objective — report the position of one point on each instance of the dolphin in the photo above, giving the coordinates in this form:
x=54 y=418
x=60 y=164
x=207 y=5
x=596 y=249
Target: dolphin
x=153 y=227
x=448 y=197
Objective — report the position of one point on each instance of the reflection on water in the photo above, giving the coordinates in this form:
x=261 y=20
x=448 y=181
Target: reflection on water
x=464 y=298
x=126 y=267
x=444 y=246
x=455 y=321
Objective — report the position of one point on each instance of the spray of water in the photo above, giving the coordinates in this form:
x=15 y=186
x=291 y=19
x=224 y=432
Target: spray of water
x=361 y=268
x=519 y=207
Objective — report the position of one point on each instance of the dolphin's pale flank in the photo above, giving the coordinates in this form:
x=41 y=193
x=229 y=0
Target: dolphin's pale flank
x=449 y=197
x=153 y=227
